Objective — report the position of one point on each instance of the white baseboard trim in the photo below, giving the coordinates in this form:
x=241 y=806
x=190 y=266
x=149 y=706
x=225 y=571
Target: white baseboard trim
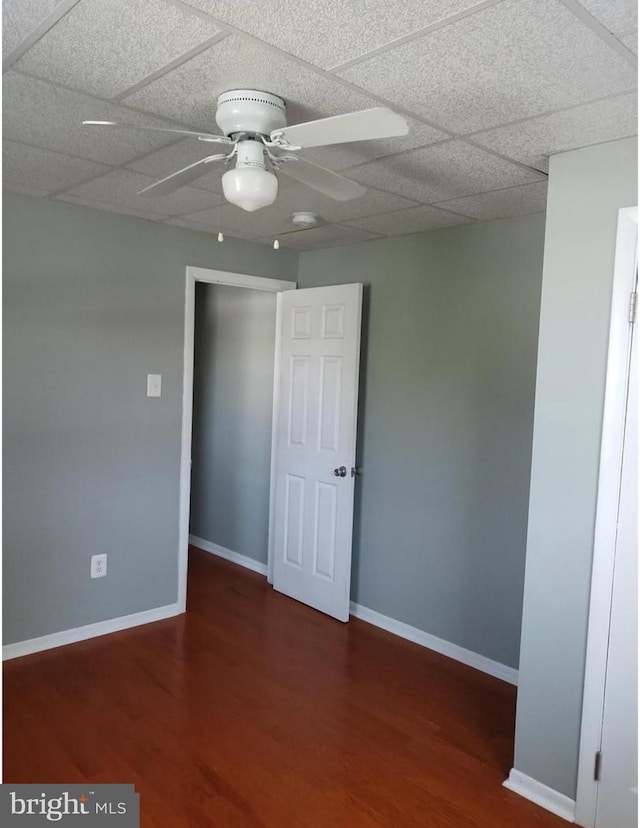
x=432 y=642
x=228 y=555
x=542 y=795
x=60 y=639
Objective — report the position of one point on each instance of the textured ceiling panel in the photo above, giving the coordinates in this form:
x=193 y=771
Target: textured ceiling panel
x=106 y=47
x=30 y=191
x=340 y=157
x=513 y=60
x=514 y=201
x=109 y=208
x=443 y=171
x=619 y=16
x=533 y=141
x=295 y=198
x=207 y=228
x=188 y=93
x=630 y=41
x=276 y=219
x=170 y=159
x=44 y=170
x=46 y=116
x=324 y=237
x=266 y=222
x=20 y=17
x=120 y=188
x=330 y=32
x=413 y=220
x=497 y=70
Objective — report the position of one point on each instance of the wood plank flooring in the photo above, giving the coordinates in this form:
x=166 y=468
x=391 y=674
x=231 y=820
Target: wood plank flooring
x=252 y=710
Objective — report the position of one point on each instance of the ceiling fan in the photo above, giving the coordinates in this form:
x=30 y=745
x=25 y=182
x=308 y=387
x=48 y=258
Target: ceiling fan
x=257 y=138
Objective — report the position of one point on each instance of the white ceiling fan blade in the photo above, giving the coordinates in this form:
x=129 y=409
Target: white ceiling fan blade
x=324 y=181
x=203 y=136
x=181 y=177
x=364 y=125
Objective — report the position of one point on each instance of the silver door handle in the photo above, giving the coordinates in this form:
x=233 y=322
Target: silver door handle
x=340 y=472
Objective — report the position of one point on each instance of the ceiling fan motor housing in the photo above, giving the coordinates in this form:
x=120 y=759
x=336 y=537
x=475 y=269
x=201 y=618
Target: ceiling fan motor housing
x=247 y=110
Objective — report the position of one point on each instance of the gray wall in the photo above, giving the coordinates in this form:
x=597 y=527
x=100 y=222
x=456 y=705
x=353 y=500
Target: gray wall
x=587 y=187
x=232 y=408
x=94 y=301
x=446 y=410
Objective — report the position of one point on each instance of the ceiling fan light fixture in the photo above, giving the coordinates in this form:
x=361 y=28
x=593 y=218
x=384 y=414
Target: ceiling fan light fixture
x=256 y=135
x=250 y=186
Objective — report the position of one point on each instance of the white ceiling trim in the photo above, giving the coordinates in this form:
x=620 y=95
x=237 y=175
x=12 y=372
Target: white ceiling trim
x=328 y=74
x=470 y=135
x=163 y=70
x=40 y=31
x=601 y=30
x=392 y=44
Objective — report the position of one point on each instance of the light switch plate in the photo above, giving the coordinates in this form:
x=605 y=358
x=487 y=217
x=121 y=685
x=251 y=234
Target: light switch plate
x=154 y=385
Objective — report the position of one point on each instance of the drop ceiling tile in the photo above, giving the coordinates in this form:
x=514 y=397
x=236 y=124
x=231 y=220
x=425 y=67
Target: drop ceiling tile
x=120 y=187
x=188 y=93
x=108 y=208
x=43 y=170
x=269 y=221
x=30 y=191
x=413 y=220
x=43 y=115
x=513 y=60
x=170 y=159
x=442 y=171
x=105 y=48
x=208 y=228
x=532 y=142
x=329 y=33
x=342 y=156
x=330 y=236
x=20 y=17
x=630 y=41
x=297 y=198
x=514 y=201
x=619 y=16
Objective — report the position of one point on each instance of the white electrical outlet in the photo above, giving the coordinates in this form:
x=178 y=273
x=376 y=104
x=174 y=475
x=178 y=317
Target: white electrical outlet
x=98 y=566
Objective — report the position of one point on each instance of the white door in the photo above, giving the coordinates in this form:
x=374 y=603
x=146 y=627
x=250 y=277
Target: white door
x=314 y=451
x=617 y=798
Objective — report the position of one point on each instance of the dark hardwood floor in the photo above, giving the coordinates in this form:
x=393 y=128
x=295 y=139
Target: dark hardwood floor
x=254 y=710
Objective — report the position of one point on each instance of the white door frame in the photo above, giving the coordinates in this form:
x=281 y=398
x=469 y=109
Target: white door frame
x=214 y=277
x=606 y=512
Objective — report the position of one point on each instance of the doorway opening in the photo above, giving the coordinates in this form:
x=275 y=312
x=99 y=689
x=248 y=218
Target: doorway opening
x=230 y=327
x=315 y=349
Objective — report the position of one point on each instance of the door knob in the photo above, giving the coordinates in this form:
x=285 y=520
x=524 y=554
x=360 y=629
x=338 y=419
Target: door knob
x=340 y=472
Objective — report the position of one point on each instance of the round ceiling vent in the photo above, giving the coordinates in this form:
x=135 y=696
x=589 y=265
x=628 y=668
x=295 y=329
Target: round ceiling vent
x=304 y=219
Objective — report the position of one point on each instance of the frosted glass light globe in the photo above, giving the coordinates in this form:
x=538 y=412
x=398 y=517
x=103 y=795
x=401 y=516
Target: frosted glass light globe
x=250 y=187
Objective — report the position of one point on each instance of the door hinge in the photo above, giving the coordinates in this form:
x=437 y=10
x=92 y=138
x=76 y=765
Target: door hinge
x=597 y=766
x=633 y=304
